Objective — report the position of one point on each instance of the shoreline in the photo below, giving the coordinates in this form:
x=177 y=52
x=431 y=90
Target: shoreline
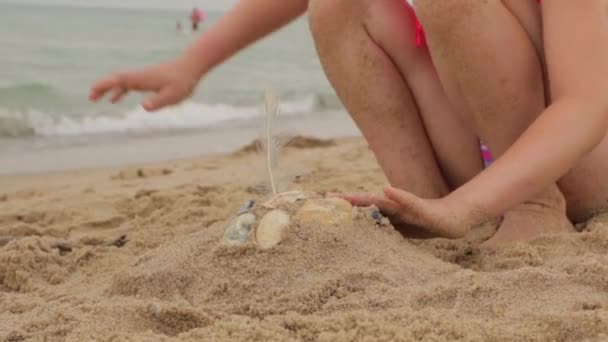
x=41 y=155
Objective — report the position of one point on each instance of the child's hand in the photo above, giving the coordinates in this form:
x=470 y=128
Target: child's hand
x=171 y=83
x=434 y=216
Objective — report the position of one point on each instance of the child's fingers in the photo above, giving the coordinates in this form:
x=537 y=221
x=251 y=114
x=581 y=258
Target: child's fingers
x=135 y=80
x=360 y=199
x=412 y=209
x=405 y=199
x=101 y=87
x=385 y=205
x=118 y=93
x=130 y=80
x=167 y=96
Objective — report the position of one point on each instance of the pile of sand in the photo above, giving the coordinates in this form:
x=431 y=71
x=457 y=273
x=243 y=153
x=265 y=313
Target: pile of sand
x=136 y=254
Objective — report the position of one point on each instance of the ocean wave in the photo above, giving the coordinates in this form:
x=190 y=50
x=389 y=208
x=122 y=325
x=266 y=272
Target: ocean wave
x=22 y=95
x=185 y=116
x=17 y=88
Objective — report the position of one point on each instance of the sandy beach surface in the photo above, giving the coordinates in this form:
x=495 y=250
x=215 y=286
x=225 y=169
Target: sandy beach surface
x=134 y=253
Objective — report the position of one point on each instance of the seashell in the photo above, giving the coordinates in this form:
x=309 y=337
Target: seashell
x=340 y=203
x=288 y=197
x=270 y=229
x=246 y=207
x=326 y=212
x=238 y=231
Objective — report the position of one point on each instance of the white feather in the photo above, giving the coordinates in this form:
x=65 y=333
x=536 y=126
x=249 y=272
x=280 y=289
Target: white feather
x=271 y=143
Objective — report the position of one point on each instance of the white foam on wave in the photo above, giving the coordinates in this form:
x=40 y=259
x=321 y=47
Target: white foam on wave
x=184 y=116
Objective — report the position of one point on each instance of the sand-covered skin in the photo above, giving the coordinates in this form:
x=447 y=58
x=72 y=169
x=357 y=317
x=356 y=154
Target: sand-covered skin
x=67 y=271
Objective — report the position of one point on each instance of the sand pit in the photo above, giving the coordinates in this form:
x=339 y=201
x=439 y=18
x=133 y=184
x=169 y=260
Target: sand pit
x=137 y=254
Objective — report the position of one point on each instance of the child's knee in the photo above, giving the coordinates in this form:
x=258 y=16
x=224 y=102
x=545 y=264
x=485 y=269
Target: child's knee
x=442 y=17
x=389 y=22
x=327 y=16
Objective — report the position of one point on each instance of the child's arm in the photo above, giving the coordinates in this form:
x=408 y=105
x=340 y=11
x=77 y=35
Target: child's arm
x=173 y=81
x=576 y=47
x=247 y=22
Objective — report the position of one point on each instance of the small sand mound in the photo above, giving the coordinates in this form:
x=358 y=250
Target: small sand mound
x=29 y=262
x=352 y=278
x=310 y=142
x=314 y=269
x=174 y=319
x=299 y=141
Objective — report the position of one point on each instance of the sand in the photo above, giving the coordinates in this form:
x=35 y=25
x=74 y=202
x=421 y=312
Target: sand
x=134 y=254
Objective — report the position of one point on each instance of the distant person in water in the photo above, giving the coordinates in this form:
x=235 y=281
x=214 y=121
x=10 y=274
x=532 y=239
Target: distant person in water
x=180 y=27
x=196 y=17
x=527 y=78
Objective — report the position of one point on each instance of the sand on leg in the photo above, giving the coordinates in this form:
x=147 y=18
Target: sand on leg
x=390 y=88
x=489 y=60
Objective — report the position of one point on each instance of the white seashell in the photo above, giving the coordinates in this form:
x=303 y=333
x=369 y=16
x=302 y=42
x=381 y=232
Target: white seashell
x=238 y=231
x=288 y=197
x=270 y=229
x=325 y=212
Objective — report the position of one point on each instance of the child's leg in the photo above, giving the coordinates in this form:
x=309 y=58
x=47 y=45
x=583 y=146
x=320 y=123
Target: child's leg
x=392 y=92
x=488 y=57
x=390 y=88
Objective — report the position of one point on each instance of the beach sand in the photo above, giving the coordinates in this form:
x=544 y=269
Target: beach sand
x=134 y=254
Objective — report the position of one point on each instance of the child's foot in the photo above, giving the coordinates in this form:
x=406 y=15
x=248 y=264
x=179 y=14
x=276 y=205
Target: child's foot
x=580 y=211
x=529 y=220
